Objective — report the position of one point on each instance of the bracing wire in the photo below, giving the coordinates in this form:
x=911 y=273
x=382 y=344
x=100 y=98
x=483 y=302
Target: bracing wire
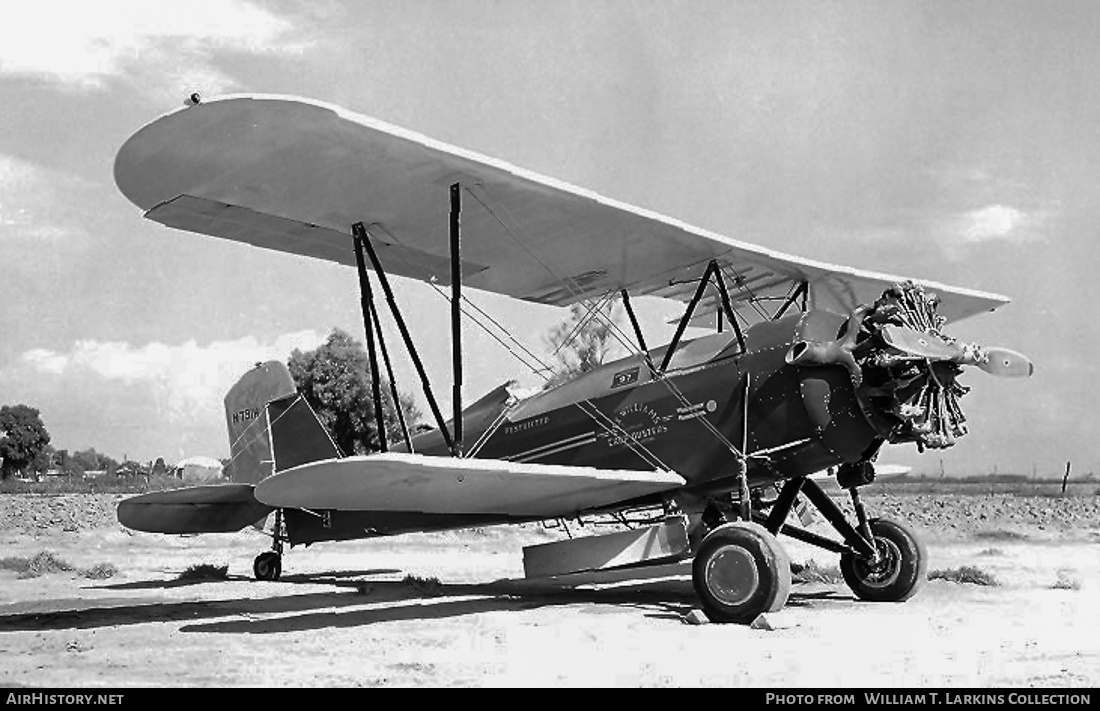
x=614 y=328
x=587 y=407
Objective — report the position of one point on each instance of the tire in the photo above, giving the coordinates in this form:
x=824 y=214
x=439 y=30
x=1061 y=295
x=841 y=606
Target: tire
x=740 y=571
x=901 y=572
x=268 y=566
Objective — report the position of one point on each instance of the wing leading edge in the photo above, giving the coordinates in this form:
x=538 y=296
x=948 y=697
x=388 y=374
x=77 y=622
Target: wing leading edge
x=293 y=175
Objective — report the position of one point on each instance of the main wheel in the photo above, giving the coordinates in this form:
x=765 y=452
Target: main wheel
x=739 y=571
x=900 y=570
x=268 y=566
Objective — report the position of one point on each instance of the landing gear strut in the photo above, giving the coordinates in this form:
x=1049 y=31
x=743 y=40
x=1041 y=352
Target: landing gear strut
x=881 y=560
x=269 y=564
x=741 y=570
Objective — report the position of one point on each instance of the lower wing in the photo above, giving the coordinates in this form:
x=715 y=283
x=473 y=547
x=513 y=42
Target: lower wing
x=419 y=483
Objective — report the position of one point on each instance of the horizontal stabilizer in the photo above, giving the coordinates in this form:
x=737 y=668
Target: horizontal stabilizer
x=418 y=483
x=217 y=508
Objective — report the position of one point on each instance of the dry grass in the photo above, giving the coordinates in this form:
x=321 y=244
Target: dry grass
x=39 y=564
x=1065 y=582
x=812 y=572
x=48 y=562
x=970 y=574
x=104 y=484
x=1000 y=534
x=101 y=571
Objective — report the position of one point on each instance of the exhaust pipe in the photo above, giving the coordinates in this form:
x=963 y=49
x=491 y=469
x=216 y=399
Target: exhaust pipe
x=837 y=352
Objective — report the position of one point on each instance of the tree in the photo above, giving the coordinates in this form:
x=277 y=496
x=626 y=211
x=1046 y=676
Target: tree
x=23 y=439
x=42 y=462
x=89 y=460
x=67 y=463
x=583 y=341
x=335 y=380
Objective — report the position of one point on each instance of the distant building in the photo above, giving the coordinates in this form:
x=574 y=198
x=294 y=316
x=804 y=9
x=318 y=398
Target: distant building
x=132 y=469
x=199 y=469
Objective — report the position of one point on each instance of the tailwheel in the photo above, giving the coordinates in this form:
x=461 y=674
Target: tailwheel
x=740 y=571
x=268 y=566
x=897 y=572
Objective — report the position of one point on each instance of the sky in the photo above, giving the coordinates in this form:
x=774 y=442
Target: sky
x=951 y=141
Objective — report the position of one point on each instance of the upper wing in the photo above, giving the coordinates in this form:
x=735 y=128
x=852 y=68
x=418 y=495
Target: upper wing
x=293 y=175
x=397 y=481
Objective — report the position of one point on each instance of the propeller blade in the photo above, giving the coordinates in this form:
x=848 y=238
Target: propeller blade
x=1006 y=363
x=919 y=344
x=995 y=361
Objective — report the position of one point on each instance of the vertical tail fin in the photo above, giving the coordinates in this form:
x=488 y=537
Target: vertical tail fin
x=246 y=419
x=270 y=426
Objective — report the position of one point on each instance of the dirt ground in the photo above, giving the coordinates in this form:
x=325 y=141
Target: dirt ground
x=347 y=614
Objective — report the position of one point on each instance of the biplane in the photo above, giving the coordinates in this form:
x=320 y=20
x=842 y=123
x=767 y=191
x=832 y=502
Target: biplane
x=701 y=447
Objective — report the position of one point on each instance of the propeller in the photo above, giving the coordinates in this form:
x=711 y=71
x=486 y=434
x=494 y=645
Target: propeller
x=995 y=361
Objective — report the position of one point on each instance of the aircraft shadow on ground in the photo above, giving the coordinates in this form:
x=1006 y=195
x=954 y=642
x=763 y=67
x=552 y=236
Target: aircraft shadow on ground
x=301 y=578
x=358 y=600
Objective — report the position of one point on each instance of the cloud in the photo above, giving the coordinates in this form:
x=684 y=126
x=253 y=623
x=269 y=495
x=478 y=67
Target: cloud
x=45 y=361
x=29 y=194
x=997 y=222
x=960 y=232
x=186 y=382
x=79 y=44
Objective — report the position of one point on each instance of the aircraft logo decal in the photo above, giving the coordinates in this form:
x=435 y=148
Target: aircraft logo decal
x=637 y=423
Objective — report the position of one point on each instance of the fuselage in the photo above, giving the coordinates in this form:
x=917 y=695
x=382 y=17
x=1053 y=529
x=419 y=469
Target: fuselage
x=693 y=419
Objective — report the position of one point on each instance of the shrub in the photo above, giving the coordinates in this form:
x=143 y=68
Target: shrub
x=205 y=571
x=424 y=586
